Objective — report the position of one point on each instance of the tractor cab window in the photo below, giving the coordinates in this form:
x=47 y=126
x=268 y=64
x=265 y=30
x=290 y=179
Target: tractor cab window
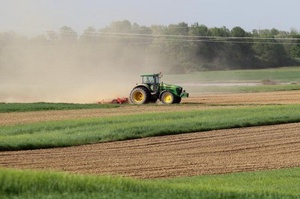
x=148 y=80
x=156 y=79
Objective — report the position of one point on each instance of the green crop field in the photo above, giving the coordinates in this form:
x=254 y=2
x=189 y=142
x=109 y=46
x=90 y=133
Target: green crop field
x=283 y=183
x=285 y=74
x=264 y=80
x=42 y=106
x=32 y=184
x=85 y=131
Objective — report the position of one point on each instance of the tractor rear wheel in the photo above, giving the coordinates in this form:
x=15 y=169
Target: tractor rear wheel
x=139 y=95
x=167 y=98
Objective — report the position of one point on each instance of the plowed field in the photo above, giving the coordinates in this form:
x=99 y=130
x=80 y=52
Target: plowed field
x=212 y=152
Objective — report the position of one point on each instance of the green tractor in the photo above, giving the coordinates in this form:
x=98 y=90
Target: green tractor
x=151 y=89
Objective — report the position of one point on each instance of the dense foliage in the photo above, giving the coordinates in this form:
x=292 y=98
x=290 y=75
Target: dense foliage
x=175 y=48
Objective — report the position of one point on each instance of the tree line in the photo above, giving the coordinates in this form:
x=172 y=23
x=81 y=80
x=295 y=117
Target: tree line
x=177 y=48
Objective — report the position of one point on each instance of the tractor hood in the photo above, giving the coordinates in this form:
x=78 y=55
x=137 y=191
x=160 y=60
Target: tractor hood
x=175 y=89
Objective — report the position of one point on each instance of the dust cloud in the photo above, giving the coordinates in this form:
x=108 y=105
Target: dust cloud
x=75 y=72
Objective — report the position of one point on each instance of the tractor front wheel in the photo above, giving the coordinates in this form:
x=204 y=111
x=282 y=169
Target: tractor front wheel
x=139 y=95
x=177 y=100
x=167 y=98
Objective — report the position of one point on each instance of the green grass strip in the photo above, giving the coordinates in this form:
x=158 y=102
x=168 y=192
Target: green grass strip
x=43 y=106
x=284 y=182
x=243 y=89
x=284 y=74
x=84 y=131
x=33 y=184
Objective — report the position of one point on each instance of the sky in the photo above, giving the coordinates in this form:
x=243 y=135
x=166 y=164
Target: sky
x=29 y=73
x=36 y=16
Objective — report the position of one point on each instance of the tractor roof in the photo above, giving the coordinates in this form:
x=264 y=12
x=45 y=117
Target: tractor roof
x=150 y=75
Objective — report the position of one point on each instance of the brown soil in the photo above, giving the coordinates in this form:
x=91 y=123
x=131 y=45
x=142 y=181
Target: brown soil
x=212 y=152
x=199 y=102
x=39 y=116
x=282 y=97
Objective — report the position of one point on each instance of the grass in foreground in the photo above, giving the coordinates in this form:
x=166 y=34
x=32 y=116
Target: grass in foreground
x=32 y=184
x=85 y=131
x=43 y=106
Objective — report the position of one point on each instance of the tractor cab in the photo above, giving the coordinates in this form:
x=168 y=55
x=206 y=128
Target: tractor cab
x=152 y=80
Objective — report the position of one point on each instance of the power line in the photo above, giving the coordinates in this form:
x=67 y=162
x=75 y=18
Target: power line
x=102 y=32
x=182 y=38
x=207 y=39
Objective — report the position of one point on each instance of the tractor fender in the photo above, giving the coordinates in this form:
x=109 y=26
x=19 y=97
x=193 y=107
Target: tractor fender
x=159 y=97
x=142 y=85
